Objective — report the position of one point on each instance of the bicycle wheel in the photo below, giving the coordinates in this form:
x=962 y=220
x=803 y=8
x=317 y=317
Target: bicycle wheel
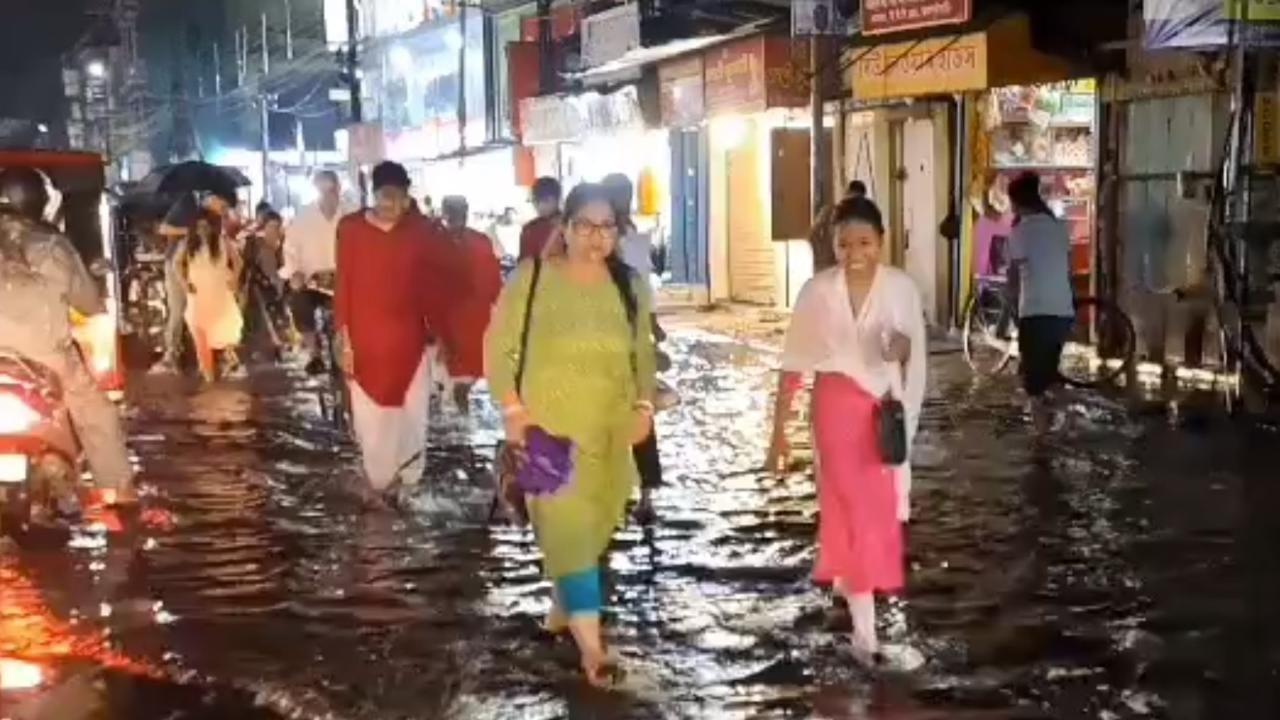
x=335 y=399
x=988 y=339
x=1100 y=348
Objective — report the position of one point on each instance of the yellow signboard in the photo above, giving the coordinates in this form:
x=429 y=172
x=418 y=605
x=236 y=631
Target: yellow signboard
x=1261 y=10
x=937 y=66
x=1266 y=129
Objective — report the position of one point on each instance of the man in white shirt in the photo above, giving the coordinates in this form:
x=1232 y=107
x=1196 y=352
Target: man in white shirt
x=310 y=245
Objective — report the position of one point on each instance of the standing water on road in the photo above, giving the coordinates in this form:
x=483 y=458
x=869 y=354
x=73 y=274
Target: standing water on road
x=1123 y=570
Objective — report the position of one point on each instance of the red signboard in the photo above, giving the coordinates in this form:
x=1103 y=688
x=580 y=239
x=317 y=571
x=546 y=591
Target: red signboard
x=786 y=79
x=733 y=77
x=758 y=72
x=564 y=23
x=887 y=16
x=524 y=67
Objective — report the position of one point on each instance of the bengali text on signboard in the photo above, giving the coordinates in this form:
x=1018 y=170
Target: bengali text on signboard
x=886 y=16
x=937 y=66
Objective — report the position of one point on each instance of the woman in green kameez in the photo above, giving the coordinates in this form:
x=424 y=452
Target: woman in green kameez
x=588 y=376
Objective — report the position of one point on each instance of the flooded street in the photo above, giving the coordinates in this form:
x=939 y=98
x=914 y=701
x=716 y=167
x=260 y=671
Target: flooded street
x=1124 y=570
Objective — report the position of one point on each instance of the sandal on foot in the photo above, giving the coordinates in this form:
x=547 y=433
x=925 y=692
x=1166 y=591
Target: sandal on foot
x=604 y=673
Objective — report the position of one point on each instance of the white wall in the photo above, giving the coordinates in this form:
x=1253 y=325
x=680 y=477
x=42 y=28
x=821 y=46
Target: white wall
x=717 y=242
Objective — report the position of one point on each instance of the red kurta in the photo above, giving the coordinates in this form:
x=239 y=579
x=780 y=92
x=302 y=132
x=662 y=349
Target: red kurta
x=475 y=260
x=391 y=296
x=535 y=235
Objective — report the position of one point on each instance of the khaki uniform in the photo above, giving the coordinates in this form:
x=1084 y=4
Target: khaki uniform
x=35 y=303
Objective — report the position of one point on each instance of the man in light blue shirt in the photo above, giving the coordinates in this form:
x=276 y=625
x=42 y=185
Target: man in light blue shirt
x=1040 y=281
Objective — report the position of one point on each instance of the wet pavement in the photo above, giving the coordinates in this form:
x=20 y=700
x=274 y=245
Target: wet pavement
x=1123 y=570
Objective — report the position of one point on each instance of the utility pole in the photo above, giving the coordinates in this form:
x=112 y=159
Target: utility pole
x=546 y=69
x=462 y=82
x=288 y=29
x=822 y=59
x=242 y=63
x=217 y=72
x=263 y=100
x=298 y=137
x=353 y=80
x=266 y=54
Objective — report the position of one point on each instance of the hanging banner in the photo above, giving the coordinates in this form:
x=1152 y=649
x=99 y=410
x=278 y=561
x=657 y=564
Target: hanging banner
x=819 y=17
x=887 y=16
x=524 y=70
x=610 y=34
x=1192 y=24
x=560 y=118
x=565 y=20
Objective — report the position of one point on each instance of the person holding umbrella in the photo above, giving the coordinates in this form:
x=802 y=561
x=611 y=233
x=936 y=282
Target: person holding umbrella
x=176 y=227
x=199 y=187
x=211 y=269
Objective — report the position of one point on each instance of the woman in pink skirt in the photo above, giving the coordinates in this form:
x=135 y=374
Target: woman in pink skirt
x=859 y=328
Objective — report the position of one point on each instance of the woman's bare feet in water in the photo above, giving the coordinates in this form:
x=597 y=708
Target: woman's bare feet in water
x=601 y=670
x=890 y=657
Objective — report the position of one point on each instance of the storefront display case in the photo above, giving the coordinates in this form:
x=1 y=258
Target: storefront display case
x=1049 y=129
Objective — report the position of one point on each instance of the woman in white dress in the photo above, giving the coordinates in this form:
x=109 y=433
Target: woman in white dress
x=213 y=314
x=858 y=329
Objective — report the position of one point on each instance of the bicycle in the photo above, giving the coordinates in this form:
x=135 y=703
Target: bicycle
x=334 y=396
x=1100 y=347
x=146 y=302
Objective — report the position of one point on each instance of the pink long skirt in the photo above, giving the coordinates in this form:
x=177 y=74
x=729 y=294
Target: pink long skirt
x=859 y=535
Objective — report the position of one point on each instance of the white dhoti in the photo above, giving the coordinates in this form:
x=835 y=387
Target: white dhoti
x=391 y=437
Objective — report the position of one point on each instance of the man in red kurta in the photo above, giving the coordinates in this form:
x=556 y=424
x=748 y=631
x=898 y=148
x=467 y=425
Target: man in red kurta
x=536 y=233
x=390 y=303
x=474 y=258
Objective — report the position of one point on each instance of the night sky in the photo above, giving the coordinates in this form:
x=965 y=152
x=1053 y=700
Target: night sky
x=33 y=36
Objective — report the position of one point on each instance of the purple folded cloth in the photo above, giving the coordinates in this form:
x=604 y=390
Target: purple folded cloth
x=548 y=462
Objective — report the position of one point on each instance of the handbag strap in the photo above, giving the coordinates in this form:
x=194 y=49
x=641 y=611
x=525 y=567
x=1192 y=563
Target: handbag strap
x=524 y=328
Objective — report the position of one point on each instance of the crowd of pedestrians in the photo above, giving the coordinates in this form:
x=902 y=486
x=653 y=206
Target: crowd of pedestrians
x=568 y=344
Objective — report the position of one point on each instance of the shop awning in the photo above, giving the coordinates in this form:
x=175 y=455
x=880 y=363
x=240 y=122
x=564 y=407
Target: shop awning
x=628 y=66
x=999 y=54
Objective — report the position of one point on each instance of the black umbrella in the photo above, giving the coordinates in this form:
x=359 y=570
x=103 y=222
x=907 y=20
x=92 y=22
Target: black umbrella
x=194 y=176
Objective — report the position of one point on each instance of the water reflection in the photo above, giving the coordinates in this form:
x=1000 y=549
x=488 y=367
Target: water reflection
x=1121 y=571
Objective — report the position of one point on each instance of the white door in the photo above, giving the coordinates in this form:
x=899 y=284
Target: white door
x=920 y=212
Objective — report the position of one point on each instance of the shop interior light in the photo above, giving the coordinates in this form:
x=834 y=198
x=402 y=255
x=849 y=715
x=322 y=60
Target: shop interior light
x=302 y=188
x=401 y=59
x=96 y=69
x=453 y=39
x=732 y=131
x=16 y=416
